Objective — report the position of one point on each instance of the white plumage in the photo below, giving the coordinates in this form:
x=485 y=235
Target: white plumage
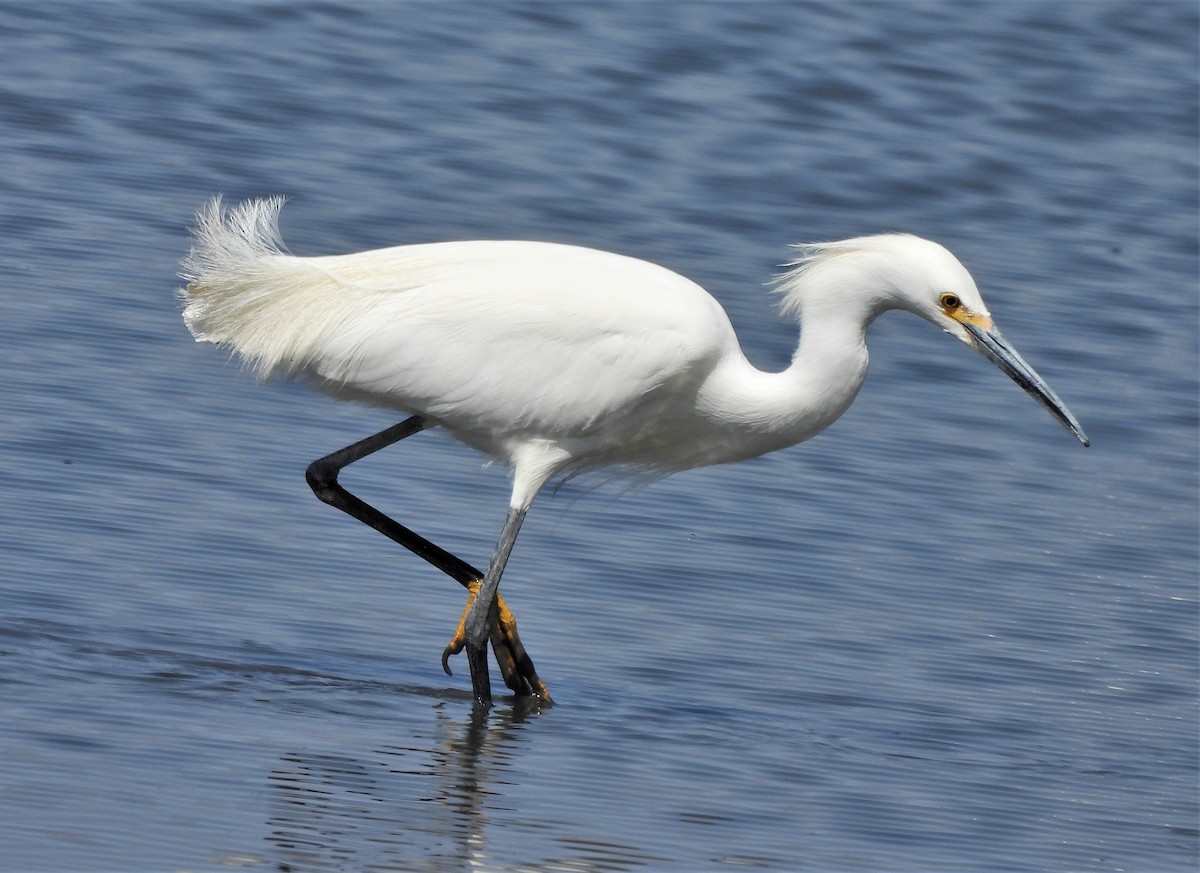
x=555 y=358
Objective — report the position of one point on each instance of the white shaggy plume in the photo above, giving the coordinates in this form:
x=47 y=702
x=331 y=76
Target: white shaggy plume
x=246 y=293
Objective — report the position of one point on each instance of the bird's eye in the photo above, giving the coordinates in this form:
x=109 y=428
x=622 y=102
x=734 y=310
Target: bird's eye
x=950 y=301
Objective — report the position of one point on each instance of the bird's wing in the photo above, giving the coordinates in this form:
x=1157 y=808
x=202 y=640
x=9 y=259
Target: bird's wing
x=518 y=338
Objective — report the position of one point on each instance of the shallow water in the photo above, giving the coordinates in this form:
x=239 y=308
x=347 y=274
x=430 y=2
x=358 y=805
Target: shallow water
x=941 y=636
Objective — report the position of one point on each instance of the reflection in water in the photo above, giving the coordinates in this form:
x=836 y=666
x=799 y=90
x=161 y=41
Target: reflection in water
x=419 y=808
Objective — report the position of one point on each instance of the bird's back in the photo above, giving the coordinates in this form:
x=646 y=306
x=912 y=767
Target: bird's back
x=499 y=341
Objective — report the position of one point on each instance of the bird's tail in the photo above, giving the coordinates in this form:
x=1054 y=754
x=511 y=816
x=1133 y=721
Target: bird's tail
x=246 y=292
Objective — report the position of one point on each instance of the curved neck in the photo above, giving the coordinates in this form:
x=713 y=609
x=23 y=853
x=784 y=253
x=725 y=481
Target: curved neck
x=761 y=412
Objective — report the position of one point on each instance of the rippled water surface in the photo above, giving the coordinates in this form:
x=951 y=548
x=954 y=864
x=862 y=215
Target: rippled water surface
x=940 y=636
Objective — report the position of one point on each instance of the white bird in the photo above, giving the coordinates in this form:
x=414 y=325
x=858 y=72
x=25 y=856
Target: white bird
x=557 y=359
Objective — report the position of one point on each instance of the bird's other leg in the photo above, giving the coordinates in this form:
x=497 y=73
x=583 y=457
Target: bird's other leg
x=322 y=477
x=515 y=664
x=483 y=614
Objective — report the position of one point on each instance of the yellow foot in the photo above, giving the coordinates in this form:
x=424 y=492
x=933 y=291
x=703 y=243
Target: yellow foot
x=515 y=664
x=459 y=640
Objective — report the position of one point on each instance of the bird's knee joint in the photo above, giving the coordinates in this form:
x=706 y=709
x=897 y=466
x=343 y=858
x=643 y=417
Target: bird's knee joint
x=322 y=479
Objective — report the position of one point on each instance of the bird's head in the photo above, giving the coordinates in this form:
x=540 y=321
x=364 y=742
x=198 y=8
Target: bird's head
x=900 y=271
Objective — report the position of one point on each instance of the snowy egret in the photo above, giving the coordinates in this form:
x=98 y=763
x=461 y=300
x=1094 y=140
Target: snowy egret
x=558 y=359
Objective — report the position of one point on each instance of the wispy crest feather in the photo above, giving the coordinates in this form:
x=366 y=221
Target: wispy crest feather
x=815 y=270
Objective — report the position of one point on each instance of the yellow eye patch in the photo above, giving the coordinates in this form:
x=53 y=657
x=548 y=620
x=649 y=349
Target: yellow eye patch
x=953 y=306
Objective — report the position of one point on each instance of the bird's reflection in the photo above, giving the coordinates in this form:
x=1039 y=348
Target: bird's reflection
x=425 y=806
x=422 y=804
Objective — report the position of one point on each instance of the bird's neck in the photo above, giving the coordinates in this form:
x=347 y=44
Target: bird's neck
x=762 y=411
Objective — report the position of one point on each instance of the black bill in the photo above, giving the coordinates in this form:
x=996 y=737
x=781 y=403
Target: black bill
x=993 y=346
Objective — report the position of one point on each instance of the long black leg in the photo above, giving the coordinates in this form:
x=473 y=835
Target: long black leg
x=322 y=475
x=483 y=613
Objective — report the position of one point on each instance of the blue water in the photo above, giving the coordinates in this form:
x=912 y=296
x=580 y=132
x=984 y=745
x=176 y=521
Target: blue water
x=940 y=636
